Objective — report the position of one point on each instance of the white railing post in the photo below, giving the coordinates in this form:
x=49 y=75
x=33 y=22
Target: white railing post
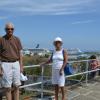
x=87 y=67
x=42 y=74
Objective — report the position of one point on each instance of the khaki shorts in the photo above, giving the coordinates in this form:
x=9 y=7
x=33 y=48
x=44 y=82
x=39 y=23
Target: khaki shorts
x=11 y=74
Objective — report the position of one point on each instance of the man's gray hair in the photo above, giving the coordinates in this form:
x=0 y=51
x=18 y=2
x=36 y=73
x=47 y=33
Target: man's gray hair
x=9 y=24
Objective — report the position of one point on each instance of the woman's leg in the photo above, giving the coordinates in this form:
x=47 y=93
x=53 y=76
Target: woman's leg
x=56 y=92
x=62 y=84
x=63 y=93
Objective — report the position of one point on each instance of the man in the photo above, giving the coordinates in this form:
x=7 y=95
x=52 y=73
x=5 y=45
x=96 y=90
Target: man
x=11 y=62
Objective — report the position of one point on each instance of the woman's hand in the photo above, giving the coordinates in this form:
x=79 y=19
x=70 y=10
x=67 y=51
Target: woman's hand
x=61 y=71
x=42 y=64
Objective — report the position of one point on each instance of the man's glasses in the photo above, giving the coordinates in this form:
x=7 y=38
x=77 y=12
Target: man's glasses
x=7 y=29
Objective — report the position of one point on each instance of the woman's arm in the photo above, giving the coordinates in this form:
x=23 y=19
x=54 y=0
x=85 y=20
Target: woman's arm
x=65 y=59
x=48 y=61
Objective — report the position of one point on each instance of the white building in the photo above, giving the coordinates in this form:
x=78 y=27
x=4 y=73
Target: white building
x=75 y=53
x=37 y=51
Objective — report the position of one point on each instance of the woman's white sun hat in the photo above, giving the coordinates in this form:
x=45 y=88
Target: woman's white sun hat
x=58 y=39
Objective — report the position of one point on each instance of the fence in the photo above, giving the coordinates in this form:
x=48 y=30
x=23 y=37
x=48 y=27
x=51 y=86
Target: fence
x=43 y=79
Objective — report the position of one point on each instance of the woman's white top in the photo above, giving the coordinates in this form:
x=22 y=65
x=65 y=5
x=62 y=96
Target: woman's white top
x=58 y=59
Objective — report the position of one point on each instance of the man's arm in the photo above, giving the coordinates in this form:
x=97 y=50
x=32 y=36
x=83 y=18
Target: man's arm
x=1 y=70
x=0 y=47
x=21 y=61
x=20 y=48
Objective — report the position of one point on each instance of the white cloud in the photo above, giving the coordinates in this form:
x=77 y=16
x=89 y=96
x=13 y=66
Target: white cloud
x=57 y=7
x=83 y=22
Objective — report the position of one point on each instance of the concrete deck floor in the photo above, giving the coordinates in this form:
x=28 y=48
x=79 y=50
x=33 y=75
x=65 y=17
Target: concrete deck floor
x=89 y=92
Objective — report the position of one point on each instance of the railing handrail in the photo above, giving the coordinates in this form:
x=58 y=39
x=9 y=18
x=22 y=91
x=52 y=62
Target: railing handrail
x=85 y=72
x=38 y=83
x=42 y=72
x=78 y=61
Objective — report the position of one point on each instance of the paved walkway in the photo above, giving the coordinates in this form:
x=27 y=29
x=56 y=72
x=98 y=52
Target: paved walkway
x=84 y=92
x=89 y=92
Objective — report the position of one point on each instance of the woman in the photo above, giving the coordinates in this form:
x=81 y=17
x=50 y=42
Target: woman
x=94 y=64
x=59 y=59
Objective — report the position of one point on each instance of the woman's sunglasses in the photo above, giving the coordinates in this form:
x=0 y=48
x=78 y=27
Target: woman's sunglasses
x=58 y=42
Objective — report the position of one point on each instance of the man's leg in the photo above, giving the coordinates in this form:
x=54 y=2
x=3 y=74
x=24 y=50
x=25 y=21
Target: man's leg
x=12 y=92
x=16 y=93
x=16 y=80
x=8 y=94
x=7 y=79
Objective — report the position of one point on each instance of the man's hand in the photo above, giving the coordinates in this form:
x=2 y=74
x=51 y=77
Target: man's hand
x=1 y=71
x=21 y=69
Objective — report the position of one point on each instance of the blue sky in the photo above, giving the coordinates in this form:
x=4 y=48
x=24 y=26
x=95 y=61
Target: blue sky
x=77 y=22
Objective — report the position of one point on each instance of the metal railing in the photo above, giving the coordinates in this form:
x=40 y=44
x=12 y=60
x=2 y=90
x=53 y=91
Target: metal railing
x=84 y=70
